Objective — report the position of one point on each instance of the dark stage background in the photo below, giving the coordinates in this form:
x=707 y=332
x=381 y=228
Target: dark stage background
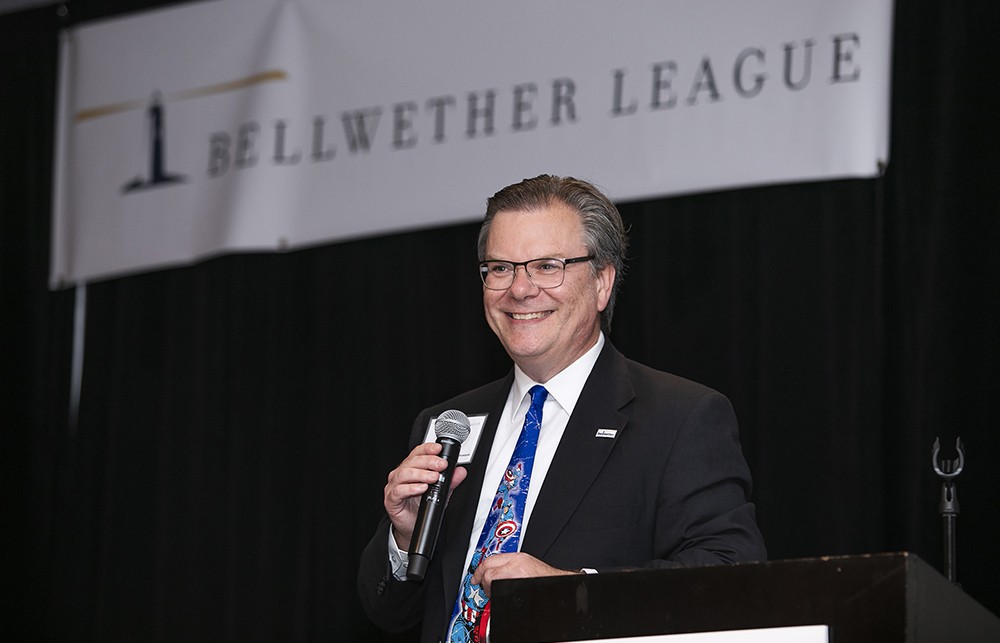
x=238 y=417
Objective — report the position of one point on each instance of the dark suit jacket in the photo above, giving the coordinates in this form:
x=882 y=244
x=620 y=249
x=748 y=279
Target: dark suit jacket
x=670 y=489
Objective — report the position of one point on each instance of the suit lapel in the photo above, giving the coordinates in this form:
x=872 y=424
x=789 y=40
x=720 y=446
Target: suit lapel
x=461 y=509
x=580 y=455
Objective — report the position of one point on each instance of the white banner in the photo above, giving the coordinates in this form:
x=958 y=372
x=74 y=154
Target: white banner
x=247 y=125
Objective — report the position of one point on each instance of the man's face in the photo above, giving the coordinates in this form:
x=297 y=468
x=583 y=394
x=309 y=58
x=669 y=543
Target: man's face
x=545 y=330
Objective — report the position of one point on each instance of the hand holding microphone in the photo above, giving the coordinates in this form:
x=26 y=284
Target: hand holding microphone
x=451 y=429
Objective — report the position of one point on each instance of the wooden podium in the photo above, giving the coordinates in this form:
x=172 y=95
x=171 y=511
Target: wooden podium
x=878 y=598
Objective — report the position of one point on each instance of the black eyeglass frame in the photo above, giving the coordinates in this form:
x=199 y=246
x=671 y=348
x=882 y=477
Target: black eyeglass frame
x=484 y=269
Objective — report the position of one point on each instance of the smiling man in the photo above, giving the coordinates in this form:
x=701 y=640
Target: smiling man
x=586 y=462
x=547 y=314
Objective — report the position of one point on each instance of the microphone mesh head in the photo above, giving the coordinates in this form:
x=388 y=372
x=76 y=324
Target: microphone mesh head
x=452 y=424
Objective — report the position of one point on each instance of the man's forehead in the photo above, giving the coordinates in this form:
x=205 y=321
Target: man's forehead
x=549 y=231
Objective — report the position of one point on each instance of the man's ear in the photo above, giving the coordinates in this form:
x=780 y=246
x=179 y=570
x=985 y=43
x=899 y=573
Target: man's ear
x=605 y=285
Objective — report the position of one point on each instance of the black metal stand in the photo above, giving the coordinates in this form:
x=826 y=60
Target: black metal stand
x=948 y=470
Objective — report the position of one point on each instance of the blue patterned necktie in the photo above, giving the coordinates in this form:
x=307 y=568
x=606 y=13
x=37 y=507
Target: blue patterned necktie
x=502 y=529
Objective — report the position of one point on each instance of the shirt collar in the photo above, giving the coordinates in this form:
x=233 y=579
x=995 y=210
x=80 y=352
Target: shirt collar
x=564 y=388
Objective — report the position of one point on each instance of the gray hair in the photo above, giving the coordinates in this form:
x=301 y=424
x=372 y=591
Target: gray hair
x=604 y=232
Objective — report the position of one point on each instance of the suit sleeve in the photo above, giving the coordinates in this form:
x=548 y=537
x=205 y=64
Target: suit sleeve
x=391 y=604
x=704 y=515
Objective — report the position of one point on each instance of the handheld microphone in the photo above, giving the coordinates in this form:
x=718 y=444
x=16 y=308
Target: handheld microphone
x=451 y=429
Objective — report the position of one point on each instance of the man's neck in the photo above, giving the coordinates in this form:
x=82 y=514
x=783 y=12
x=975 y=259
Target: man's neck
x=542 y=373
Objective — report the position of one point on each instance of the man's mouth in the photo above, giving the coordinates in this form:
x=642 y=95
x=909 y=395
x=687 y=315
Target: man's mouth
x=527 y=316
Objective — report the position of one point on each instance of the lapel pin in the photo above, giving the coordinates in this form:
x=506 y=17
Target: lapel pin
x=606 y=433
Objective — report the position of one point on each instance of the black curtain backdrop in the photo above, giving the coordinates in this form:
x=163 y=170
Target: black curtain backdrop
x=238 y=417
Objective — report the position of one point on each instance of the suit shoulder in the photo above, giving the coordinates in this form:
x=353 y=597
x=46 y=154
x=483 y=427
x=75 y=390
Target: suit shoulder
x=647 y=379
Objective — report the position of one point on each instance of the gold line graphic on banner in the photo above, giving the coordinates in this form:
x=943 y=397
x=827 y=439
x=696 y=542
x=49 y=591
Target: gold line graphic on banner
x=218 y=88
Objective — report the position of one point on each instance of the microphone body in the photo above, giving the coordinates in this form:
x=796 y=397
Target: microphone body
x=451 y=428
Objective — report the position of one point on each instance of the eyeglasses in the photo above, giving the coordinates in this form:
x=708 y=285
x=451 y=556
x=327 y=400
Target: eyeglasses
x=543 y=273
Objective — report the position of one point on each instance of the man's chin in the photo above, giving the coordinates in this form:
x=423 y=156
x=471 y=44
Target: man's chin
x=522 y=350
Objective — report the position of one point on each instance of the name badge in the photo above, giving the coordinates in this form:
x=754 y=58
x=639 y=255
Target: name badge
x=476 y=423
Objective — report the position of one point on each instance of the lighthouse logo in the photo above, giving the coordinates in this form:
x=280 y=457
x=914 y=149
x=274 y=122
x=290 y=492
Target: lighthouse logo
x=158 y=173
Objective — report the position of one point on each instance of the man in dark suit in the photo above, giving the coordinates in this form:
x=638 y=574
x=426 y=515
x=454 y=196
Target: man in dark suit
x=633 y=467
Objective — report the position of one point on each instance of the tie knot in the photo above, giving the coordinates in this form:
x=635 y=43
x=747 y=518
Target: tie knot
x=538 y=395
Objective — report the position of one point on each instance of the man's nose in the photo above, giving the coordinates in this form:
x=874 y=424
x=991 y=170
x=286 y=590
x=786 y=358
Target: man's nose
x=522 y=285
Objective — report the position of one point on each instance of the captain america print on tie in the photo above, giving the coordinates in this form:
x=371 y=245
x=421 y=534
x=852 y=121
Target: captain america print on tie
x=502 y=529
